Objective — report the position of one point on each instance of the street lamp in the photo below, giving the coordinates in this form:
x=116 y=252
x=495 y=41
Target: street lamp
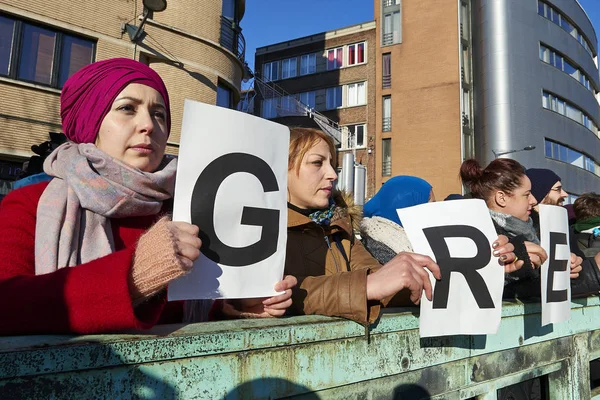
x=133 y=31
x=498 y=153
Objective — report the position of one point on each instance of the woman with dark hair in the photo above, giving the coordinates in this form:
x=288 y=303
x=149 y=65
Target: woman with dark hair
x=91 y=251
x=506 y=190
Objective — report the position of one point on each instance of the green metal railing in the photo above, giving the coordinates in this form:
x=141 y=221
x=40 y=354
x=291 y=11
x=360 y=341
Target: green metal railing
x=310 y=357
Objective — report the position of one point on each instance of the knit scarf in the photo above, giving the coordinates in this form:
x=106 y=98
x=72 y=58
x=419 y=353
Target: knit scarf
x=323 y=217
x=587 y=224
x=89 y=188
x=514 y=226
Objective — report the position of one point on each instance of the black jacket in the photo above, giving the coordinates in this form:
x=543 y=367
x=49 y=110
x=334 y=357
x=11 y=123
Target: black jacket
x=526 y=282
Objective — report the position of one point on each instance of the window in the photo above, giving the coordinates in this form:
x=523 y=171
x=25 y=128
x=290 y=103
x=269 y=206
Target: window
x=391 y=28
x=563 y=107
x=269 y=108
x=386 y=157
x=559 y=152
x=224 y=96
x=45 y=56
x=334 y=97
x=228 y=9
x=308 y=64
x=7 y=29
x=356 y=53
x=308 y=99
x=353 y=136
x=356 y=94
x=271 y=71
x=335 y=58
x=288 y=106
x=387 y=71
x=552 y=14
x=288 y=68
x=557 y=60
x=387 y=114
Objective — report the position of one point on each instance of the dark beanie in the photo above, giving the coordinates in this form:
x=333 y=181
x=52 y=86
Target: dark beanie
x=542 y=180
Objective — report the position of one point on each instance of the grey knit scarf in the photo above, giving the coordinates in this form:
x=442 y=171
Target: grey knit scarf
x=514 y=226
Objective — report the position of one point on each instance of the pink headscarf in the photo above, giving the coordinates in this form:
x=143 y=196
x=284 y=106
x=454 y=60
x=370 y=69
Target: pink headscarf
x=87 y=96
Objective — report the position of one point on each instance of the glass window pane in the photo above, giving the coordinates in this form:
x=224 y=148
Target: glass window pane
x=541 y=8
x=555 y=17
x=545 y=100
x=361 y=93
x=224 y=97
x=7 y=29
x=555 y=151
x=352 y=54
x=560 y=106
x=37 y=54
x=352 y=95
x=571 y=70
x=360 y=135
x=566 y=25
x=228 y=9
x=548 y=148
x=360 y=53
x=76 y=54
x=562 y=155
x=397 y=27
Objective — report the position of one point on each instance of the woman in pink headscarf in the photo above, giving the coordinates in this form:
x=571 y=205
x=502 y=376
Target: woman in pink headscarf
x=88 y=251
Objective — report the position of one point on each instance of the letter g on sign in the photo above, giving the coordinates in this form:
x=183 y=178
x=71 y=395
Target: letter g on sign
x=203 y=204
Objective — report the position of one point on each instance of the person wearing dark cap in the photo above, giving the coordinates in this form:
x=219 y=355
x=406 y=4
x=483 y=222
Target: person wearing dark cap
x=546 y=186
x=90 y=251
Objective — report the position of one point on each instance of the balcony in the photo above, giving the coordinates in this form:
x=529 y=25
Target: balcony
x=232 y=38
x=387 y=81
x=387 y=124
x=386 y=167
x=388 y=38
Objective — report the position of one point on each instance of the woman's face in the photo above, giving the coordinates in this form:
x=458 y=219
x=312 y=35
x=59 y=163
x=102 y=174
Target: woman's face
x=135 y=129
x=312 y=186
x=520 y=202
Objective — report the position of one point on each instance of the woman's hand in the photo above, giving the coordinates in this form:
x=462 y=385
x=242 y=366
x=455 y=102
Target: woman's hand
x=264 y=307
x=576 y=266
x=536 y=253
x=506 y=256
x=405 y=271
x=165 y=252
x=187 y=242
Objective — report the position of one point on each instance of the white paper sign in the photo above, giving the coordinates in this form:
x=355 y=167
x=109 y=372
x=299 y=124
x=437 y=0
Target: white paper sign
x=458 y=235
x=232 y=183
x=556 y=282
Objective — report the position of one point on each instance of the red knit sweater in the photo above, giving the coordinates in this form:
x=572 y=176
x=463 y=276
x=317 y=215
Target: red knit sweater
x=90 y=298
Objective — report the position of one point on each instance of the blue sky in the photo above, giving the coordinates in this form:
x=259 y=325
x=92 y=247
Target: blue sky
x=272 y=21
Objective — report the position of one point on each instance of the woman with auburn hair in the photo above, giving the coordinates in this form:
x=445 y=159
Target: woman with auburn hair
x=91 y=251
x=506 y=190
x=336 y=275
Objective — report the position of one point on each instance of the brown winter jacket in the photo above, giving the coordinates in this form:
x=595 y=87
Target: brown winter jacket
x=329 y=282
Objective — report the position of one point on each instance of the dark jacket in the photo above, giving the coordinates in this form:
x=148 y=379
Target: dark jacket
x=587 y=244
x=526 y=282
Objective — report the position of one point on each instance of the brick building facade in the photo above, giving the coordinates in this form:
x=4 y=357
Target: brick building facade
x=194 y=45
x=333 y=73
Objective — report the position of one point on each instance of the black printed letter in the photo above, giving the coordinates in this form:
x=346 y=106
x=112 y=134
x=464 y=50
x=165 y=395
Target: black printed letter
x=203 y=204
x=556 y=296
x=467 y=266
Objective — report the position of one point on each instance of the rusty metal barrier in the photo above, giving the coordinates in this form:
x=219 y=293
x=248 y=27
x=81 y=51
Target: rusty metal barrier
x=309 y=357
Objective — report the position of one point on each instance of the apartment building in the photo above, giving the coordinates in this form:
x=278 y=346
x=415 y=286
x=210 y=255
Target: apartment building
x=332 y=73
x=486 y=79
x=195 y=45
x=536 y=84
